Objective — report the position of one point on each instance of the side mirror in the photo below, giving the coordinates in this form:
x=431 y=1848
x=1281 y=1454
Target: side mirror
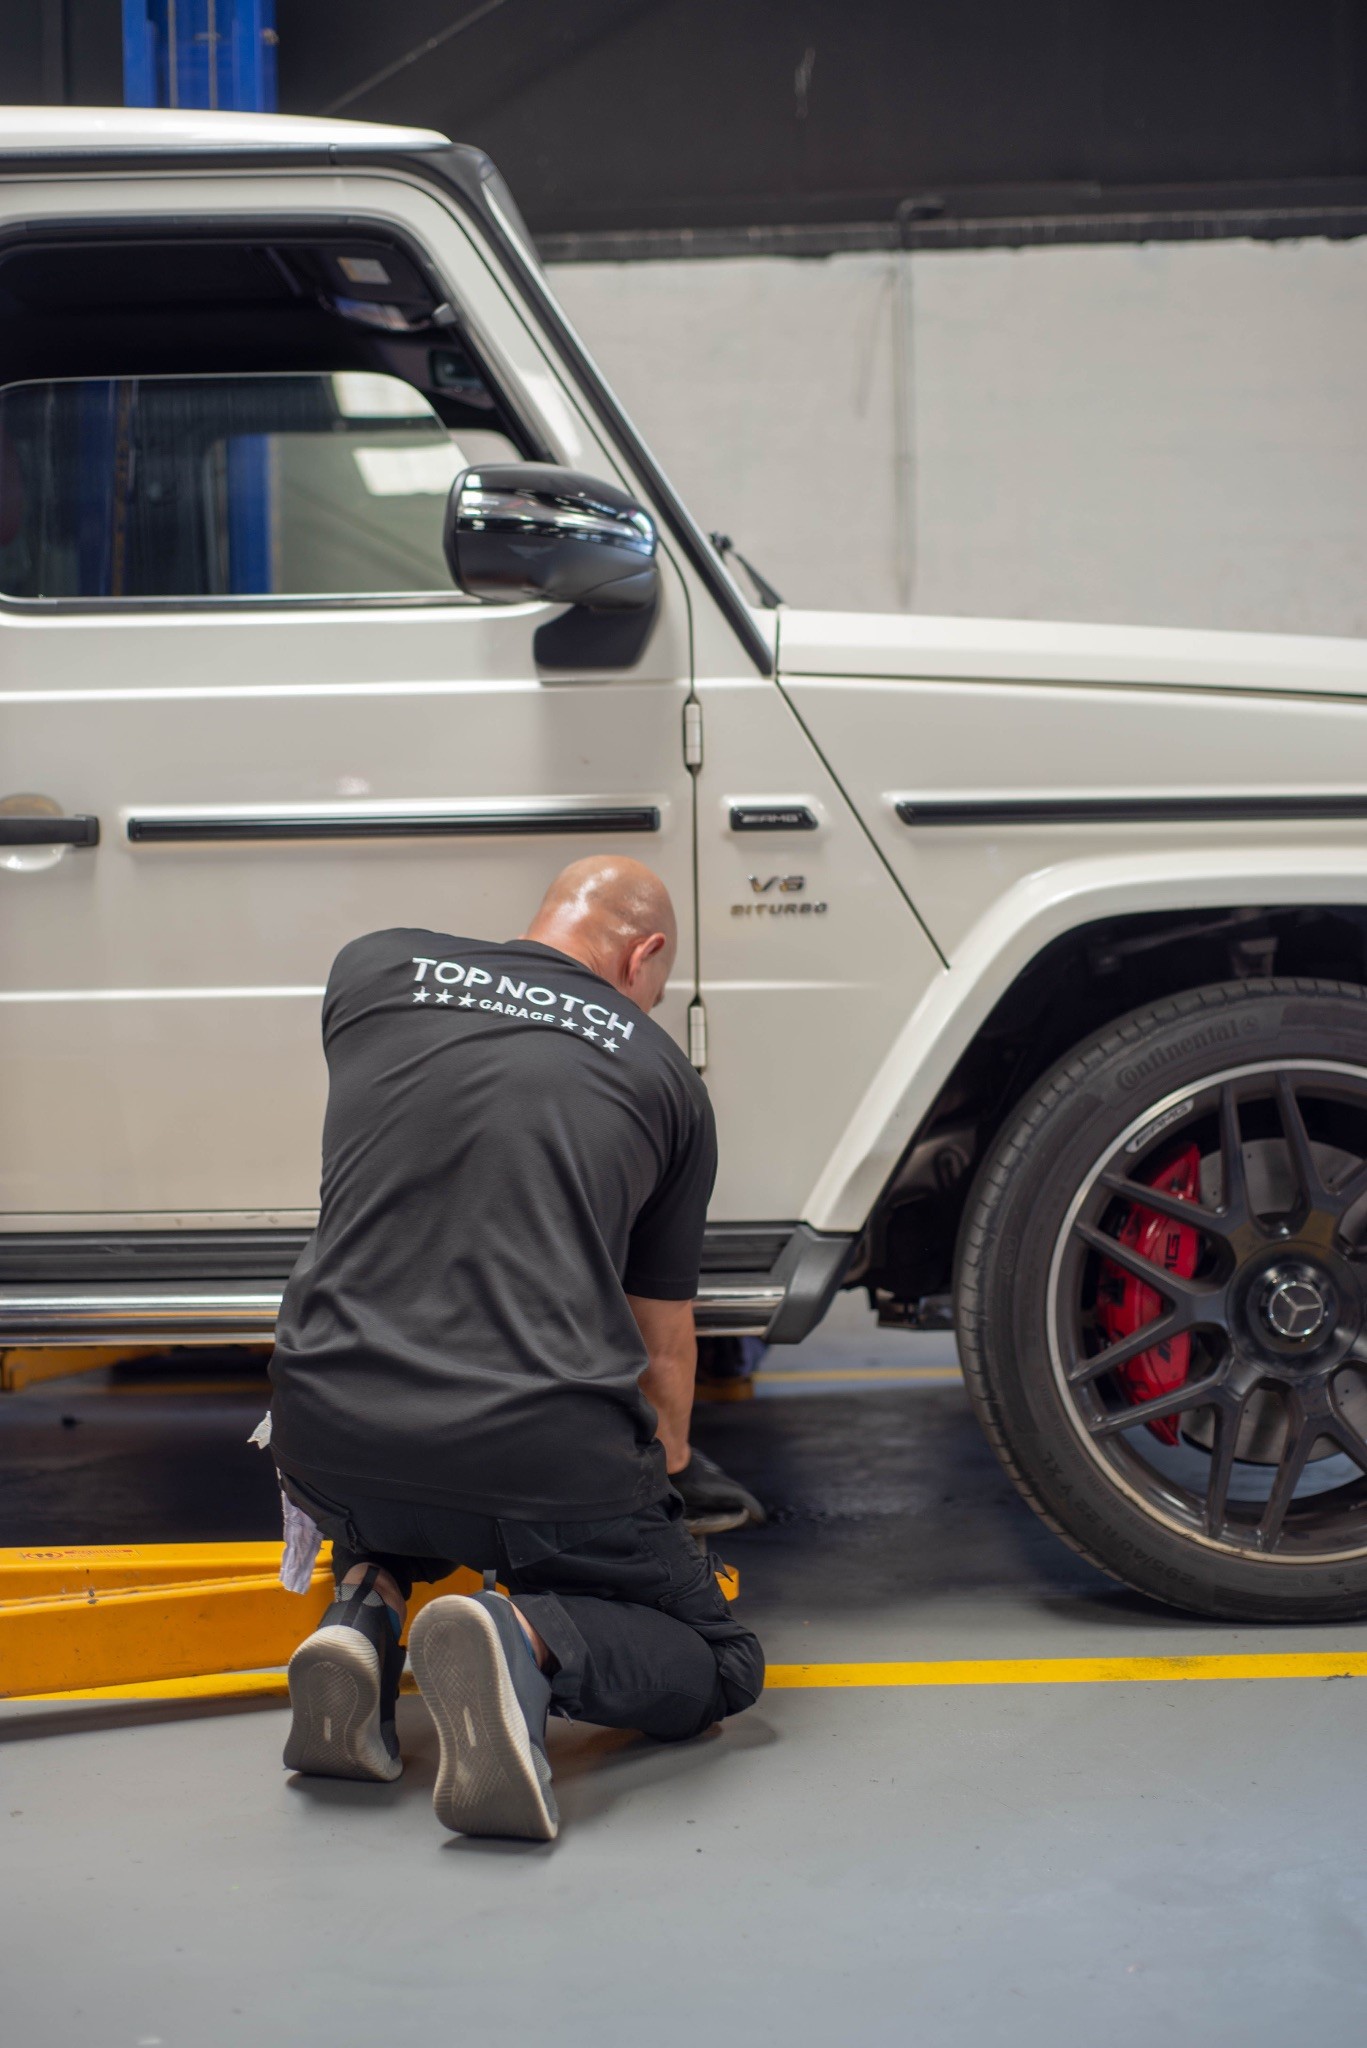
x=519 y=530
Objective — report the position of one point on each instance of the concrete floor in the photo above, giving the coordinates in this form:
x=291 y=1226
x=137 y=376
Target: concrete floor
x=944 y=1865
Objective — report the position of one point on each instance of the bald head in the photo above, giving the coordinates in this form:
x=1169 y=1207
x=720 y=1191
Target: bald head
x=615 y=915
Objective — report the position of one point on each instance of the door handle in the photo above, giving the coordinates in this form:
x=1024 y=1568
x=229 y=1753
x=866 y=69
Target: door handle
x=38 y=828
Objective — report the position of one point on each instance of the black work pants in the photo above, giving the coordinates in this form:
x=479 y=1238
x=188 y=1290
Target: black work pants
x=639 y=1631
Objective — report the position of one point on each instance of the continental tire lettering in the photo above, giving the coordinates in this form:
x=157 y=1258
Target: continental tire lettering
x=1165 y=1056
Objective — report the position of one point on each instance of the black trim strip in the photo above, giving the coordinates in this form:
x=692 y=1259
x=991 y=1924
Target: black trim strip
x=41 y=828
x=394 y=825
x=1125 y=810
x=28 y=1258
x=60 y=1257
x=772 y=818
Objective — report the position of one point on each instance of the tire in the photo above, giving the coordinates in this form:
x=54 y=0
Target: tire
x=1289 y=1055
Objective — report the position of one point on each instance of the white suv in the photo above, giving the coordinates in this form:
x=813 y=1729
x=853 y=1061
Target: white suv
x=1027 y=964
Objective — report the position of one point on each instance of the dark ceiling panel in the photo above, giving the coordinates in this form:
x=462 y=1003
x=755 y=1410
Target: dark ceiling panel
x=638 y=114
x=21 y=54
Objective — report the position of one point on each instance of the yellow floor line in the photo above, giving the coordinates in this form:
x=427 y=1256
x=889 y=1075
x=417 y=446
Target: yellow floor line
x=805 y=1677
x=1074 y=1670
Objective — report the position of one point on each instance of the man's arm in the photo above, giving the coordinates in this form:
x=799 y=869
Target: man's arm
x=672 y=1352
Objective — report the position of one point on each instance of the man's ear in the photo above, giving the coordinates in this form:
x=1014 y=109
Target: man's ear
x=641 y=954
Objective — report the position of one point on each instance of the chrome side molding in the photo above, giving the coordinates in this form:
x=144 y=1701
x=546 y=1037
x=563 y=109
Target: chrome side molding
x=181 y=1313
x=176 y=1313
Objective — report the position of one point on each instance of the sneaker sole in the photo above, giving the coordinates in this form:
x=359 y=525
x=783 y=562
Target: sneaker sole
x=335 y=1694
x=487 y=1782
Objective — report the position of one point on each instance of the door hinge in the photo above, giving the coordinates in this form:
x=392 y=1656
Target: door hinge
x=692 y=734
x=697 y=1034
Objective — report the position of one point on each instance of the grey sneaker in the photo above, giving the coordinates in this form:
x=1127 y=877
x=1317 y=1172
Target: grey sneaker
x=489 y=1700
x=344 y=1685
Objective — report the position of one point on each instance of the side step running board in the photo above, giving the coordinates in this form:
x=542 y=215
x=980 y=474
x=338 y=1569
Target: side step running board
x=177 y=1313
x=234 y=1315
x=782 y=1304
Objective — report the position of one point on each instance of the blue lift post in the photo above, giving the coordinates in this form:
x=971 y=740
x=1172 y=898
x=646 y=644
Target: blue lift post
x=200 y=53
x=219 y=54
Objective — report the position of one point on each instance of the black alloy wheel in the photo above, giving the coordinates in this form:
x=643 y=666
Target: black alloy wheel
x=1162 y=1289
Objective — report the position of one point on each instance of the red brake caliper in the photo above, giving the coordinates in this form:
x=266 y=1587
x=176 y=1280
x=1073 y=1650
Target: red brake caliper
x=1125 y=1303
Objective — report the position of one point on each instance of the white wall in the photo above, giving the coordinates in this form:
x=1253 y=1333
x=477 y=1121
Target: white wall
x=1172 y=433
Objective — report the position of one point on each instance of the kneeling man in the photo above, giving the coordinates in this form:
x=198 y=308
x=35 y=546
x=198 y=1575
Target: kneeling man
x=485 y=1355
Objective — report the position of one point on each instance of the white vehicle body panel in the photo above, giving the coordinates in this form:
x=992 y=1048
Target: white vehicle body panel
x=898 y=645
x=806 y=990
x=162 y=1009
x=973 y=742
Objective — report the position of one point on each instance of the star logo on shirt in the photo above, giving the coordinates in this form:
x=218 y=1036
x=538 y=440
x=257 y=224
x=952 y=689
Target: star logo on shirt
x=589 y=1031
x=609 y=1045
x=568 y=1024
x=420 y=996
x=445 y=996
x=467 y=1002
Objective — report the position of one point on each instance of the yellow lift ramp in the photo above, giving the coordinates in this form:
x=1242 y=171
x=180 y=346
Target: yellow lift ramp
x=171 y=1619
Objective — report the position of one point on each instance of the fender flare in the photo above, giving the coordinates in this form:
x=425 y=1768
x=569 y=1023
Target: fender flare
x=1040 y=908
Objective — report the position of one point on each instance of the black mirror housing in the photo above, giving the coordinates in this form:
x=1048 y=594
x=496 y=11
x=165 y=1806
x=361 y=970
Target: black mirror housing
x=520 y=530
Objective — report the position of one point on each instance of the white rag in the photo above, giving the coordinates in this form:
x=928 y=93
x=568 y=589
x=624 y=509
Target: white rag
x=303 y=1537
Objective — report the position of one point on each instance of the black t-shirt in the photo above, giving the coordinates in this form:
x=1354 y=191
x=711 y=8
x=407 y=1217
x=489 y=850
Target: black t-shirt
x=510 y=1149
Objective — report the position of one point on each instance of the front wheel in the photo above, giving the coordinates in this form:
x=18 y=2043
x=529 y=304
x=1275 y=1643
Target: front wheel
x=1162 y=1300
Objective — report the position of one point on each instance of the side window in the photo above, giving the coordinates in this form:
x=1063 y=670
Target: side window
x=248 y=485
